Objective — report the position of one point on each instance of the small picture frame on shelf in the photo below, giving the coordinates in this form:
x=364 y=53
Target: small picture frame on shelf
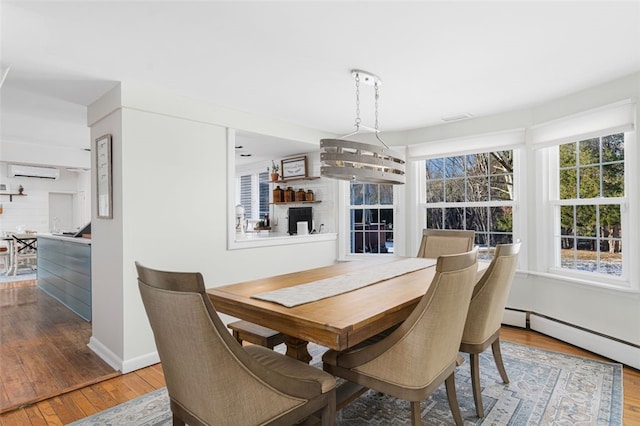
x=295 y=167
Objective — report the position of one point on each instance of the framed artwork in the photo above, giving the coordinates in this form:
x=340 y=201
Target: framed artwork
x=104 y=179
x=294 y=167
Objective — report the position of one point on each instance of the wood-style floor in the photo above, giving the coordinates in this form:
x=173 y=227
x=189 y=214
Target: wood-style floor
x=74 y=405
x=43 y=348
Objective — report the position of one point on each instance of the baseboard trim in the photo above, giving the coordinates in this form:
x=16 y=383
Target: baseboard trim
x=140 y=362
x=105 y=353
x=117 y=363
x=610 y=347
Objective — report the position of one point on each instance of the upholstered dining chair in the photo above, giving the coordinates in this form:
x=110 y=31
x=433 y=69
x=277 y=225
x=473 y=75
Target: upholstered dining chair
x=438 y=242
x=414 y=359
x=482 y=328
x=211 y=378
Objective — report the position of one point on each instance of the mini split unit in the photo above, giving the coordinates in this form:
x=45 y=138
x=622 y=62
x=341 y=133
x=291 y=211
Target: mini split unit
x=17 y=170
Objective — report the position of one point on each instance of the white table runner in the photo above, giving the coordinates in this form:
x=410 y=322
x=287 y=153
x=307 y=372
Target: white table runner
x=328 y=287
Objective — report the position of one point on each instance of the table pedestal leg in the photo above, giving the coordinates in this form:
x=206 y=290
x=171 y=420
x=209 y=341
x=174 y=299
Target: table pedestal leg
x=297 y=348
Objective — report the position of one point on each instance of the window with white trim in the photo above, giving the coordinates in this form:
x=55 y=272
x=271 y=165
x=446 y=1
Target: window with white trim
x=588 y=209
x=587 y=164
x=472 y=191
x=254 y=194
x=371 y=213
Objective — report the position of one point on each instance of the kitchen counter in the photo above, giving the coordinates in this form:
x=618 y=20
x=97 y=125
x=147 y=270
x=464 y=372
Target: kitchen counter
x=64 y=271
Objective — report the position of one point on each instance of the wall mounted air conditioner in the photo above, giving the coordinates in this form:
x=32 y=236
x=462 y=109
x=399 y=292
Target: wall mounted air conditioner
x=17 y=170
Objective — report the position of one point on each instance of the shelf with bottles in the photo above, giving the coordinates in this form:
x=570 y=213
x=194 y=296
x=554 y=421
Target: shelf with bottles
x=290 y=196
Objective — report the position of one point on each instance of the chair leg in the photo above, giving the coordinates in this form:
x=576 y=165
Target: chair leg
x=497 y=356
x=450 y=385
x=475 y=383
x=416 y=418
x=328 y=413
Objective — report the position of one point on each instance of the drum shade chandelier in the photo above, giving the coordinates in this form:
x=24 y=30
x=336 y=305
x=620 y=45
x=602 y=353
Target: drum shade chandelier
x=357 y=161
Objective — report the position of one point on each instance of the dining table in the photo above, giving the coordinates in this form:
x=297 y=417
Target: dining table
x=338 y=321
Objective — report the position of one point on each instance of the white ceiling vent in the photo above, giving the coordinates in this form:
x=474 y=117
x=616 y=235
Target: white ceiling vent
x=18 y=170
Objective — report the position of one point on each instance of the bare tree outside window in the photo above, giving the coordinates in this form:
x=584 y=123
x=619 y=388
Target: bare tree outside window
x=473 y=191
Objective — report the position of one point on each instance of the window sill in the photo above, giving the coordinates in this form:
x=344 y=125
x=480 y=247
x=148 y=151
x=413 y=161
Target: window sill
x=620 y=286
x=267 y=239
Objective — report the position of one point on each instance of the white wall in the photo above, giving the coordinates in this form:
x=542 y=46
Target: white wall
x=170 y=212
x=32 y=212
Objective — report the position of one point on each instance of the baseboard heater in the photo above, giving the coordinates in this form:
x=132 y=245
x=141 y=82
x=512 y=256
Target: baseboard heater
x=607 y=346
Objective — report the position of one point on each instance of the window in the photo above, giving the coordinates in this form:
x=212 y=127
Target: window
x=474 y=191
x=586 y=162
x=371 y=214
x=254 y=194
x=588 y=209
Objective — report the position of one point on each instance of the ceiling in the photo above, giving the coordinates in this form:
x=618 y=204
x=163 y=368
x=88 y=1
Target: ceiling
x=291 y=61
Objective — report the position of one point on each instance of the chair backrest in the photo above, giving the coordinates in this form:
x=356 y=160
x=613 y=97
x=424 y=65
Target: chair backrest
x=490 y=295
x=442 y=242
x=207 y=372
x=24 y=247
x=427 y=342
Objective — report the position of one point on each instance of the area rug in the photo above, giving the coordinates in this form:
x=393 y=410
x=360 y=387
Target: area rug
x=545 y=388
x=22 y=275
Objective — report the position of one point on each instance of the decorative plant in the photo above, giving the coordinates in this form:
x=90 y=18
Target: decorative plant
x=274 y=167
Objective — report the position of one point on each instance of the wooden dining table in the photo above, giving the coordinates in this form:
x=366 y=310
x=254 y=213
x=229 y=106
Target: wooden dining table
x=338 y=322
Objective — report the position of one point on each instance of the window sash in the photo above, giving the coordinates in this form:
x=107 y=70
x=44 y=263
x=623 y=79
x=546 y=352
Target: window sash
x=366 y=239
x=554 y=204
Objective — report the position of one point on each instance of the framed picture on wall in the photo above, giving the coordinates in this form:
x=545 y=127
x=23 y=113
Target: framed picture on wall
x=294 y=167
x=104 y=179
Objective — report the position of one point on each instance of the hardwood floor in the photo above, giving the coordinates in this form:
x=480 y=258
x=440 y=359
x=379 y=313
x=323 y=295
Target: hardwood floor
x=43 y=348
x=89 y=400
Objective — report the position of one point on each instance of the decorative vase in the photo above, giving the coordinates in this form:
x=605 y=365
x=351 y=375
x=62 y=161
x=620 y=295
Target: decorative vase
x=289 y=195
x=278 y=194
x=300 y=195
x=274 y=177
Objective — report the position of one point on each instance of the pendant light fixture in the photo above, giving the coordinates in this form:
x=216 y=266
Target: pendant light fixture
x=357 y=161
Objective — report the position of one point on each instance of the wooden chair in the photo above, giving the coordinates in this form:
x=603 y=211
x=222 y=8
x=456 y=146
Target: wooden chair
x=414 y=359
x=211 y=379
x=5 y=256
x=24 y=252
x=439 y=242
x=486 y=309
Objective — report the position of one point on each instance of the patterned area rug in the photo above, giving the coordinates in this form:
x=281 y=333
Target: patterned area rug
x=545 y=388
